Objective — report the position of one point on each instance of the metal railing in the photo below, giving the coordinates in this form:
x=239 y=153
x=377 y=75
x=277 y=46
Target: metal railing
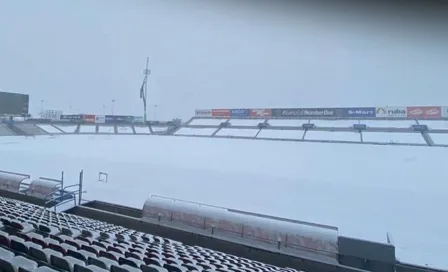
x=63 y=197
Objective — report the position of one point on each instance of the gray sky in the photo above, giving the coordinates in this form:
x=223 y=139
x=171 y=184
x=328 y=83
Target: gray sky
x=215 y=54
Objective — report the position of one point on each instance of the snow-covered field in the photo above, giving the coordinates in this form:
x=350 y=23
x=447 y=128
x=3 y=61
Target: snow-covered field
x=364 y=190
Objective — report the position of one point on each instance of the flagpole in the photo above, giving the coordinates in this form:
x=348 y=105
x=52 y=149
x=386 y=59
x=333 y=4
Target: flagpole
x=147 y=72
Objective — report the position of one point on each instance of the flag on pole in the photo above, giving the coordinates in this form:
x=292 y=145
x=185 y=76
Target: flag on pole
x=142 y=91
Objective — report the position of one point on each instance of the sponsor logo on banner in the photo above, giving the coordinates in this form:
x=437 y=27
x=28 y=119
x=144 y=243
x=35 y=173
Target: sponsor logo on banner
x=445 y=112
x=424 y=112
x=88 y=118
x=239 y=113
x=391 y=112
x=260 y=113
x=100 y=119
x=119 y=119
x=221 y=113
x=71 y=117
x=308 y=112
x=358 y=112
x=203 y=113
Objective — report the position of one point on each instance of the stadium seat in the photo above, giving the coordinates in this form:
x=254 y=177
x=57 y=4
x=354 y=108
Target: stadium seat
x=66 y=263
x=89 y=268
x=58 y=241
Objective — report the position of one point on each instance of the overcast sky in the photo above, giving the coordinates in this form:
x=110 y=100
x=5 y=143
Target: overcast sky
x=79 y=55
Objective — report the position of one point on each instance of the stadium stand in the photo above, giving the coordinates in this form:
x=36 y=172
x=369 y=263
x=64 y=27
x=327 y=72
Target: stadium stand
x=33 y=237
x=174 y=235
x=5 y=131
x=30 y=129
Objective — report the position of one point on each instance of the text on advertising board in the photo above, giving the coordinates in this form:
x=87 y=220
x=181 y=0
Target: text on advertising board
x=221 y=113
x=88 y=118
x=119 y=119
x=391 y=112
x=306 y=112
x=358 y=112
x=100 y=119
x=71 y=117
x=424 y=112
x=203 y=113
x=239 y=113
x=445 y=112
x=260 y=113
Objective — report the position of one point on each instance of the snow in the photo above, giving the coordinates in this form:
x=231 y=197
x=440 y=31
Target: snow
x=195 y=131
x=365 y=190
x=334 y=123
x=142 y=130
x=389 y=123
x=49 y=128
x=159 y=129
x=281 y=134
x=333 y=136
x=245 y=122
x=237 y=132
x=434 y=124
x=87 y=129
x=393 y=137
x=4 y=130
x=287 y=123
x=207 y=122
x=67 y=128
x=106 y=129
x=124 y=130
x=439 y=138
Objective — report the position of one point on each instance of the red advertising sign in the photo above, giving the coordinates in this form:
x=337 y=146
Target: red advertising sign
x=89 y=118
x=424 y=112
x=260 y=113
x=221 y=113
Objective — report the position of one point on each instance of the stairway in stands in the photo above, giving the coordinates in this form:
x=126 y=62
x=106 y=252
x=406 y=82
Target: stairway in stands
x=5 y=131
x=16 y=130
x=27 y=129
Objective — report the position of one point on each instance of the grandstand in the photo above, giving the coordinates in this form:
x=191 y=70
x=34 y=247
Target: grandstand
x=47 y=225
x=397 y=128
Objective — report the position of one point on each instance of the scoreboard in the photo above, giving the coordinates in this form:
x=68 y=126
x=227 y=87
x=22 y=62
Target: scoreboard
x=14 y=104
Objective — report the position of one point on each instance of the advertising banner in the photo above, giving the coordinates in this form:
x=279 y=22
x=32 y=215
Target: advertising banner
x=88 y=118
x=260 y=113
x=391 y=112
x=138 y=119
x=75 y=117
x=241 y=113
x=100 y=119
x=203 y=113
x=445 y=112
x=424 y=112
x=221 y=113
x=307 y=112
x=119 y=119
x=358 y=112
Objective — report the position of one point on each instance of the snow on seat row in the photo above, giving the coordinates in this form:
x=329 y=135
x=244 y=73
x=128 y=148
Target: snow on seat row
x=393 y=137
x=195 y=131
x=67 y=128
x=87 y=128
x=106 y=129
x=142 y=129
x=5 y=131
x=50 y=128
x=32 y=238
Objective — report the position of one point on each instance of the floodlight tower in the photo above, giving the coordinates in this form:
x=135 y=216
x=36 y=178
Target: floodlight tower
x=144 y=90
